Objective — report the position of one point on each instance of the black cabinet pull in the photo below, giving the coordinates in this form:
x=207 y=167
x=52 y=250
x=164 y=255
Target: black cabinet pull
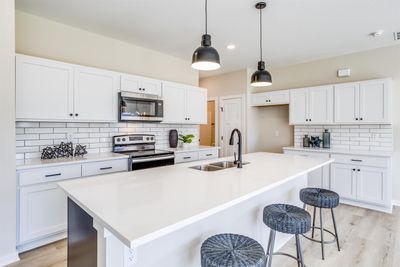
x=52 y=175
x=361 y=119
x=207 y=155
x=359 y=170
x=354 y=170
x=70 y=114
x=356 y=160
x=187 y=157
x=76 y=114
x=105 y=168
x=356 y=119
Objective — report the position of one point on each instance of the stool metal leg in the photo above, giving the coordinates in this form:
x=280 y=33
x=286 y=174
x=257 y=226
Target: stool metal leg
x=300 y=261
x=322 y=233
x=268 y=247
x=304 y=206
x=271 y=247
x=334 y=226
x=313 y=223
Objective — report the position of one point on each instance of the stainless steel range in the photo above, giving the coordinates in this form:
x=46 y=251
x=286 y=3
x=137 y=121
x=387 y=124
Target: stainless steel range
x=142 y=151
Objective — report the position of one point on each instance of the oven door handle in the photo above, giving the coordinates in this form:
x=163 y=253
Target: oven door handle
x=152 y=159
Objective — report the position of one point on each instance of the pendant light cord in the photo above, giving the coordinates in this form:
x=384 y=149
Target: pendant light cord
x=206 y=16
x=261 y=36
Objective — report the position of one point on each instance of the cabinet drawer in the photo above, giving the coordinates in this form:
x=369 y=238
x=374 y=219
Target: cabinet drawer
x=51 y=174
x=104 y=167
x=307 y=154
x=186 y=157
x=208 y=154
x=361 y=160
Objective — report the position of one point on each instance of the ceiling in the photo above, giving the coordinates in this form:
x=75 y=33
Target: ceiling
x=294 y=30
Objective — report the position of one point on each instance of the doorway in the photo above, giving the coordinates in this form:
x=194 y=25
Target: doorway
x=208 y=131
x=232 y=115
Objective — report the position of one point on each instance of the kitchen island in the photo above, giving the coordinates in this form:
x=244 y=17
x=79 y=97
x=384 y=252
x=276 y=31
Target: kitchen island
x=160 y=217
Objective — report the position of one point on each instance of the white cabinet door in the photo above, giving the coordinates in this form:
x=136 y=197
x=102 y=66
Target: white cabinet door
x=278 y=97
x=298 y=107
x=259 y=99
x=140 y=85
x=371 y=185
x=174 y=97
x=44 y=89
x=343 y=180
x=374 y=101
x=43 y=211
x=346 y=103
x=95 y=94
x=320 y=102
x=196 y=105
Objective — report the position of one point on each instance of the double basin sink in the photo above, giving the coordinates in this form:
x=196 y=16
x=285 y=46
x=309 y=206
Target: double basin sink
x=217 y=166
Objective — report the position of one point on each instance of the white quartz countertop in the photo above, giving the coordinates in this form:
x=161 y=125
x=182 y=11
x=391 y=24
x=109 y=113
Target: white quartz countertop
x=40 y=163
x=341 y=151
x=192 y=149
x=141 y=206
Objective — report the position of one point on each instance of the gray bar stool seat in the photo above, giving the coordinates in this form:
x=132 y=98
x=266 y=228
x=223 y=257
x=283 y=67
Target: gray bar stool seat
x=231 y=250
x=286 y=219
x=322 y=199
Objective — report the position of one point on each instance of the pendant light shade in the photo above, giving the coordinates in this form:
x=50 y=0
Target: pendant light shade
x=261 y=77
x=206 y=57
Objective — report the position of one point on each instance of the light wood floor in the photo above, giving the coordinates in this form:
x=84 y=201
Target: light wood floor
x=367 y=238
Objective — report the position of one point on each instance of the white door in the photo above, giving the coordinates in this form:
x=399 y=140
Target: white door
x=95 y=95
x=343 y=180
x=231 y=114
x=371 y=185
x=374 y=101
x=298 y=107
x=196 y=105
x=346 y=99
x=174 y=97
x=320 y=103
x=44 y=89
x=43 y=211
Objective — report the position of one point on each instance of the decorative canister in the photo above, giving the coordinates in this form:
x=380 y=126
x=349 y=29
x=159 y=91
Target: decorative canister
x=173 y=138
x=326 y=139
x=306 y=141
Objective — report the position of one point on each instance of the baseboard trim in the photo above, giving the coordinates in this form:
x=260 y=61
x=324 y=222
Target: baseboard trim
x=396 y=203
x=8 y=259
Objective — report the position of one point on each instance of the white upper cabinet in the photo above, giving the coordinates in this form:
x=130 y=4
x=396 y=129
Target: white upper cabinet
x=298 y=107
x=174 y=97
x=184 y=104
x=363 y=102
x=95 y=94
x=270 y=98
x=54 y=91
x=141 y=85
x=311 y=105
x=320 y=105
x=346 y=102
x=44 y=89
x=196 y=105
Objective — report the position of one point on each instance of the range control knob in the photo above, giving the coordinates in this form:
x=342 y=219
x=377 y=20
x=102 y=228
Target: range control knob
x=123 y=139
x=118 y=139
x=147 y=138
x=152 y=138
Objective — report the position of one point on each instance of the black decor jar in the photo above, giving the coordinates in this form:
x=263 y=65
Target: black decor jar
x=173 y=138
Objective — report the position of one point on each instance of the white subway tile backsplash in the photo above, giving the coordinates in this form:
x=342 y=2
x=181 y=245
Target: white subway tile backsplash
x=32 y=137
x=350 y=137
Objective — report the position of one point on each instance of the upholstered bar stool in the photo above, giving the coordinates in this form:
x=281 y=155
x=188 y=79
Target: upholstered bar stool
x=322 y=199
x=286 y=219
x=231 y=250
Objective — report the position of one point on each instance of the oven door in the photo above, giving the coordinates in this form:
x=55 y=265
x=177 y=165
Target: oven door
x=140 y=109
x=151 y=162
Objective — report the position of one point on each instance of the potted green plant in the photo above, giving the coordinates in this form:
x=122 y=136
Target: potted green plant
x=186 y=139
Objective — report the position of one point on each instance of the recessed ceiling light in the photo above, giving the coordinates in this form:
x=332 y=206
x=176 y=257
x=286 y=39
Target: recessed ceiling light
x=377 y=33
x=231 y=46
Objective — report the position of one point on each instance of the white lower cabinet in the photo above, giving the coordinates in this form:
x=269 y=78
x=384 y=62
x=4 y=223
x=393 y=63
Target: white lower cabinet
x=42 y=211
x=182 y=157
x=363 y=181
x=42 y=205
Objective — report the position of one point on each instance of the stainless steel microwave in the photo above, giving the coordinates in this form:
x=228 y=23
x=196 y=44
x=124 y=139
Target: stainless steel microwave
x=139 y=107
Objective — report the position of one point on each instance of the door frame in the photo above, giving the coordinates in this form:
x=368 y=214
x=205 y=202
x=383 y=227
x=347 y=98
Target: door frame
x=221 y=122
x=216 y=113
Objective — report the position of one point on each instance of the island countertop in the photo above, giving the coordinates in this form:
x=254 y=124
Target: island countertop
x=140 y=206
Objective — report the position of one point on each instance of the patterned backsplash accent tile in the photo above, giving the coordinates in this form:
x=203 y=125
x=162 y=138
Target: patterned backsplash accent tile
x=32 y=137
x=350 y=137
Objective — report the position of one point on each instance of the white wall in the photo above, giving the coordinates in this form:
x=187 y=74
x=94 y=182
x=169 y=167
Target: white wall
x=41 y=37
x=7 y=134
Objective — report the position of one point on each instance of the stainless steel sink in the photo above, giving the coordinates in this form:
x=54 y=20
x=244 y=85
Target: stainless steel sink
x=217 y=166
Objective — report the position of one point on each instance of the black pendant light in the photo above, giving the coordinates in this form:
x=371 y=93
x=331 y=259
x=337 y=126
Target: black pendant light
x=261 y=77
x=206 y=57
